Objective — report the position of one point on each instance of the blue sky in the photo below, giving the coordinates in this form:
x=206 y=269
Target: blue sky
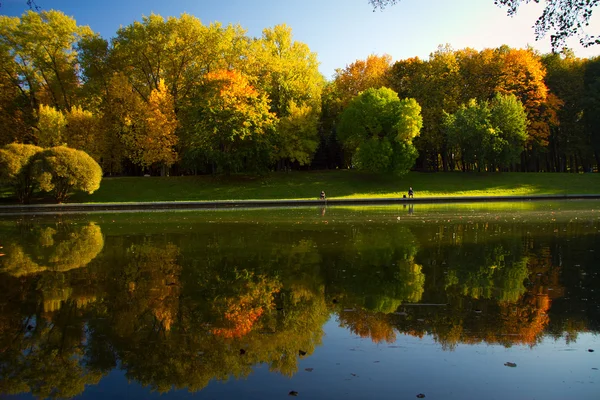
x=339 y=31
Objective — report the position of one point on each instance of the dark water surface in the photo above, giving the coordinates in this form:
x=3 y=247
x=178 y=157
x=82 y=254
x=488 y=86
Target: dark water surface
x=492 y=301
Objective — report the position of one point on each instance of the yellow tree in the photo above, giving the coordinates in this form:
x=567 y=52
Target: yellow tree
x=44 y=47
x=155 y=142
x=288 y=72
x=84 y=132
x=523 y=75
x=51 y=127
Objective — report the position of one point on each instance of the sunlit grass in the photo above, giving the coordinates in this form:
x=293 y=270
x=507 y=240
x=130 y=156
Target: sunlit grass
x=338 y=184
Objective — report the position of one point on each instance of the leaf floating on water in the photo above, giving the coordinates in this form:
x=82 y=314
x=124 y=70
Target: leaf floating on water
x=293 y=393
x=591 y=350
x=309 y=369
x=510 y=364
x=420 y=396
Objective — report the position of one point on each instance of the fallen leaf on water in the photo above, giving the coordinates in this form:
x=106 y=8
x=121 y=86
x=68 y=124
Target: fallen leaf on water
x=510 y=364
x=591 y=350
x=293 y=393
x=309 y=369
x=420 y=396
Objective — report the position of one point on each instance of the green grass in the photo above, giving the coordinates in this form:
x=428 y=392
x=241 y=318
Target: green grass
x=336 y=184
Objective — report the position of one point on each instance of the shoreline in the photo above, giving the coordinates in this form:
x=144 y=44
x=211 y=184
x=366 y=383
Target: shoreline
x=32 y=209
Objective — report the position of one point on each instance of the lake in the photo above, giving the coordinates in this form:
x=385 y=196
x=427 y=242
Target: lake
x=464 y=301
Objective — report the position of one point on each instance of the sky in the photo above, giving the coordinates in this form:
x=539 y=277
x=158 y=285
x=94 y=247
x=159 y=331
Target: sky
x=339 y=31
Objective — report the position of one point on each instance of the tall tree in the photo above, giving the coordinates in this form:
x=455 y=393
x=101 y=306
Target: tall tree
x=152 y=140
x=44 y=47
x=378 y=129
x=288 y=72
x=568 y=140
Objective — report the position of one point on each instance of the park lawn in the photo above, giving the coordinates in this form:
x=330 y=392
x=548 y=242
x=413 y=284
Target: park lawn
x=336 y=184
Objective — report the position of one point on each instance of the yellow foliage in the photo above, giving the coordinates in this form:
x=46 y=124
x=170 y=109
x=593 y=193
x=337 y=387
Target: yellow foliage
x=51 y=127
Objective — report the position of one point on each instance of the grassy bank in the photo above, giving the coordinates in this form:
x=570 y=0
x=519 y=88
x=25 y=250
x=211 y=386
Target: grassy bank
x=337 y=184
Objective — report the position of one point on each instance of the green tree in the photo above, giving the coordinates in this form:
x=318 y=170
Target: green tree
x=378 y=129
x=61 y=170
x=15 y=171
x=509 y=120
x=488 y=134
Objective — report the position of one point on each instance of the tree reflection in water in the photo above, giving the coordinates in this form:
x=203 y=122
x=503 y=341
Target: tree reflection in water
x=177 y=310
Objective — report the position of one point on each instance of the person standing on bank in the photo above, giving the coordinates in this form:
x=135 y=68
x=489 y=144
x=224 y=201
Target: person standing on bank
x=410 y=192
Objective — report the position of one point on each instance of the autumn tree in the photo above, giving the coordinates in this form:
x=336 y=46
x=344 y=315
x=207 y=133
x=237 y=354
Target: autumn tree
x=288 y=73
x=51 y=127
x=15 y=171
x=61 y=170
x=233 y=127
x=362 y=75
x=378 y=129
x=84 y=132
x=151 y=140
x=44 y=47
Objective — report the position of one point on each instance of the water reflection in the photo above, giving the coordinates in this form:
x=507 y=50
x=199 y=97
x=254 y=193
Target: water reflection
x=179 y=306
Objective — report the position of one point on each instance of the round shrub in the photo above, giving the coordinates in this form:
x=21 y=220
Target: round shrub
x=61 y=170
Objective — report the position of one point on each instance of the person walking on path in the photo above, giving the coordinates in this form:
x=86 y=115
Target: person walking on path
x=410 y=192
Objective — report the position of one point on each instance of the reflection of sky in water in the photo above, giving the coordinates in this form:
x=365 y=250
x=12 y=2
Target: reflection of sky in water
x=348 y=367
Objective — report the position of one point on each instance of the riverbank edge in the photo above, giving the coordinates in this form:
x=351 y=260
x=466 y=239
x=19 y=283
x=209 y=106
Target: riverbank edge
x=32 y=209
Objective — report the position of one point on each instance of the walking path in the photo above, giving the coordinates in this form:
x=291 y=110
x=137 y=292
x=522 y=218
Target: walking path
x=181 y=205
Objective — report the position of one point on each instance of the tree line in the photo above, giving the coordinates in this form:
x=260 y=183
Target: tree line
x=173 y=95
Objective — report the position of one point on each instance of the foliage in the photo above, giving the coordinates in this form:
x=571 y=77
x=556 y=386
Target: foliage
x=84 y=132
x=378 y=128
x=488 y=134
x=15 y=171
x=43 y=44
x=298 y=135
x=232 y=123
x=60 y=170
x=153 y=139
x=288 y=73
x=362 y=75
x=51 y=127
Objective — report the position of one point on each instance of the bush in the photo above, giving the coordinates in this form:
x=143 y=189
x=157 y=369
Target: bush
x=61 y=170
x=14 y=169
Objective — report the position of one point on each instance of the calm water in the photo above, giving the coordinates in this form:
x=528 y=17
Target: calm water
x=498 y=301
